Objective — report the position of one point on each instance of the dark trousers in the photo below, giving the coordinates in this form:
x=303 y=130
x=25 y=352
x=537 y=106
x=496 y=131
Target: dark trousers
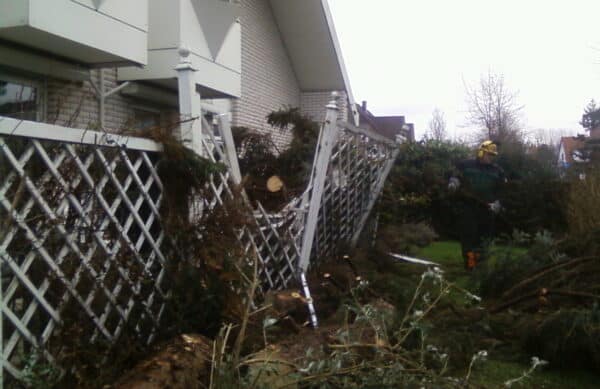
x=476 y=227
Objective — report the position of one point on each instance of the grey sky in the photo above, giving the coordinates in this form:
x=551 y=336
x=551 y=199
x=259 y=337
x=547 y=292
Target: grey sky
x=408 y=57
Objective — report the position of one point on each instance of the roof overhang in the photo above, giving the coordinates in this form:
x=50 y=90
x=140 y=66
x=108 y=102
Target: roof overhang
x=309 y=35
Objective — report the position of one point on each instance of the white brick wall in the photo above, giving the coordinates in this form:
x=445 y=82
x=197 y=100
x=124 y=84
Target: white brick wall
x=71 y=104
x=268 y=79
x=74 y=104
x=312 y=104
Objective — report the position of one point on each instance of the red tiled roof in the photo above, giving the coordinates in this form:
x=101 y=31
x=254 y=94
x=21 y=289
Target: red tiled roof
x=570 y=144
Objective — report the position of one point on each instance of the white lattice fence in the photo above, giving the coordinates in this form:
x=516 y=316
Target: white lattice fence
x=80 y=239
x=358 y=167
x=272 y=239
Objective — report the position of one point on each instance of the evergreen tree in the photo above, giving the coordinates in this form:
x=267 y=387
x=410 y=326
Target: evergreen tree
x=591 y=116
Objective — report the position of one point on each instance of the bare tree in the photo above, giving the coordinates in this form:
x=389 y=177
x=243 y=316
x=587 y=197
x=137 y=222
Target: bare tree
x=494 y=109
x=437 y=125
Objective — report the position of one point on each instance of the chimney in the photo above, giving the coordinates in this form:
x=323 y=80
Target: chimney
x=364 y=105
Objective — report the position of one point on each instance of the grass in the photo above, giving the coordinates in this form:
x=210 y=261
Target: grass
x=444 y=253
x=495 y=371
x=493 y=374
x=448 y=255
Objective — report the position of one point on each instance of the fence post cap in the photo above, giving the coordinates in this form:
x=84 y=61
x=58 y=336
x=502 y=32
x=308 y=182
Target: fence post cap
x=333 y=102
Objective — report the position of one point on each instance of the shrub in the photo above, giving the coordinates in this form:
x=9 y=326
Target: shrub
x=405 y=238
x=508 y=264
x=567 y=338
x=584 y=205
x=416 y=189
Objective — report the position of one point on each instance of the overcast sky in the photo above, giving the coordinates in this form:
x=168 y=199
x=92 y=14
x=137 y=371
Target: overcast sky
x=407 y=57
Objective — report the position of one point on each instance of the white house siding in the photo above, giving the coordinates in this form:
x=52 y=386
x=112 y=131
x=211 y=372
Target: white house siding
x=312 y=104
x=268 y=79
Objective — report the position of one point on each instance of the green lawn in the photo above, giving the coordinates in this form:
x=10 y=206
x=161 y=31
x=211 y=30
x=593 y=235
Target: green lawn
x=444 y=253
x=448 y=255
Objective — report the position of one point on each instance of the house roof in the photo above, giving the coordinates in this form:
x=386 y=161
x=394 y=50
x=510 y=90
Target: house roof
x=309 y=35
x=388 y=126
x=569 y=144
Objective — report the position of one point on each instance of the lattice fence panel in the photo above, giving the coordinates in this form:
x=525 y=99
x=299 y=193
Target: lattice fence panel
x=271 y=238
x=80 y=242
x=357 y=169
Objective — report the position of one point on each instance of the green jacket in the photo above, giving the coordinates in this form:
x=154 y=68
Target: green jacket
x=482 y=181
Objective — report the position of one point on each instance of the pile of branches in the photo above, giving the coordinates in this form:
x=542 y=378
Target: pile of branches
x=261 y=159
x=552 y=292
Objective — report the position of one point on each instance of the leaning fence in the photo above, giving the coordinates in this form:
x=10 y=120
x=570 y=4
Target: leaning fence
x=81 y=235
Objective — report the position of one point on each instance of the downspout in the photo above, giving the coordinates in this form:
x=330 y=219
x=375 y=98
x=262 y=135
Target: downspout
x=102 y=104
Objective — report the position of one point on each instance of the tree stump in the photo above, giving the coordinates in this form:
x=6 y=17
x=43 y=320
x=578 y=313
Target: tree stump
x=182 y=363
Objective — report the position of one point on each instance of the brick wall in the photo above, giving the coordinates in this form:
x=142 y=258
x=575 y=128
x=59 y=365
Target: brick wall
x=268 y=79
x=74 y=104
x=312 y=104
x=71 y=103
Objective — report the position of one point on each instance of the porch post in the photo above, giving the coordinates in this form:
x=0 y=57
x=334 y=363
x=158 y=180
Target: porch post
x=190 y=108
x=327 y=140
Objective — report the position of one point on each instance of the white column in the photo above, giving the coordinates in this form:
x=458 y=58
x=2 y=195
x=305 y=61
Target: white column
x=327 y=140
x=190 y=108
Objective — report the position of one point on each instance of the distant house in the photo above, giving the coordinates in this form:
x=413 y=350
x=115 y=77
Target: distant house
x=570 y=151
x=392 y=127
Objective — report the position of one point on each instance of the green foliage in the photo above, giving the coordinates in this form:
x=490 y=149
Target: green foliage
x=39 y=374
x=567 y=338
x=296 y=161
x=591 y=116
x=404 y=238
x=584 y=207
x=260 y=158
x=508 y=264
x=204 y=266
x=184 y=174
x=416 y=189
x=526 y=209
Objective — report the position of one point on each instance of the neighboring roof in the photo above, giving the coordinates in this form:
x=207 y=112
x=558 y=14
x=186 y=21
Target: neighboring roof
x=309 y=35
x=569 y=144
x=388 y=126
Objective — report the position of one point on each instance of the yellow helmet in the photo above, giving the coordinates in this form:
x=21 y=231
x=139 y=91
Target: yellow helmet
x=487 y=147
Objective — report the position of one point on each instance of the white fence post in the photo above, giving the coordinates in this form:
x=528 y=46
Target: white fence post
x=189 y=103
x=324 y=148
x=231 y=153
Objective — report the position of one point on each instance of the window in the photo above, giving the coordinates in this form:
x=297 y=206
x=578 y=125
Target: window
x=145 y=118
x=20 y=98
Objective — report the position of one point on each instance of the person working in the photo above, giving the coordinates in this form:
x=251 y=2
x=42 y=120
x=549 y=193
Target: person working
x=477 y=183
